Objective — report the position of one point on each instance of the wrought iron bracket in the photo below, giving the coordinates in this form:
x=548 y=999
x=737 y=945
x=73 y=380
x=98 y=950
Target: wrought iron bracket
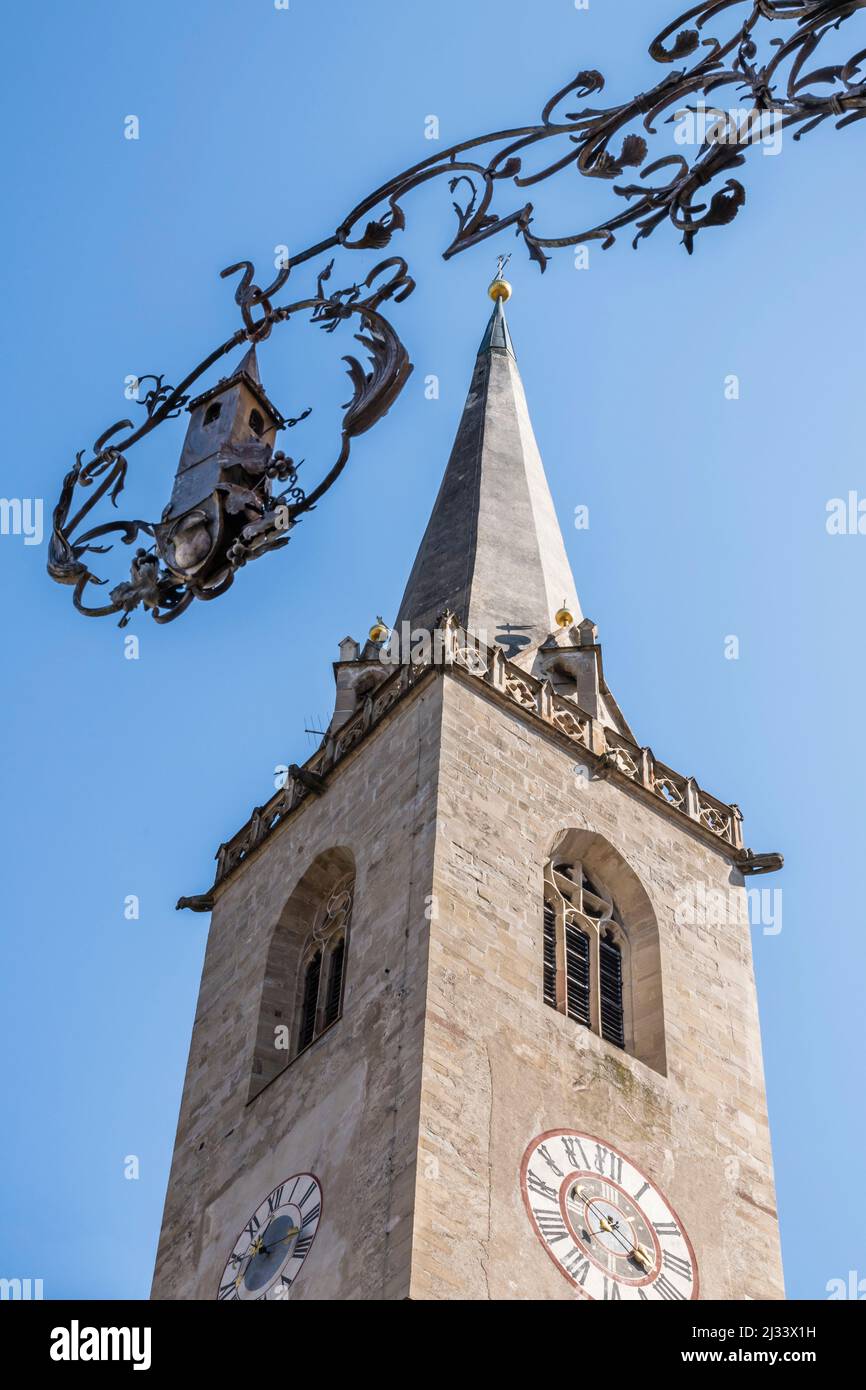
x=761 y=50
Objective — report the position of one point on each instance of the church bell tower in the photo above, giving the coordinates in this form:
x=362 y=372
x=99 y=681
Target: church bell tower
x=477 y=1018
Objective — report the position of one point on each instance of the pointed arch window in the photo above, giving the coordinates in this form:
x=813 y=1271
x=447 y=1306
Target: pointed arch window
x=320 y=1001
x=305 y=970
x=584 y=945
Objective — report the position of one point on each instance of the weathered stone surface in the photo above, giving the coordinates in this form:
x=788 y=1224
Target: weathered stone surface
x=501 y=1067
x=415 y=1109
x=347 y=1108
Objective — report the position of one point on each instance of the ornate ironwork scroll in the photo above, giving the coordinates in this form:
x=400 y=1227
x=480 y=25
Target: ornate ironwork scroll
x=245 y=517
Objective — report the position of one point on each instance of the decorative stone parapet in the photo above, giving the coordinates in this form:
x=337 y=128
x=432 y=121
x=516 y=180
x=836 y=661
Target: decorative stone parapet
x=609 y=753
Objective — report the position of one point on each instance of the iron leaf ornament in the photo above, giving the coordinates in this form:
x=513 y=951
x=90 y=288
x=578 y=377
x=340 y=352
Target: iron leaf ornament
x=229 y=503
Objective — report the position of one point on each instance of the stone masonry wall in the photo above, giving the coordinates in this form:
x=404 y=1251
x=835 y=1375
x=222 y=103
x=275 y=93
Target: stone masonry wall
x=500 y=1067
x=415 y=1110
x=347 y=1108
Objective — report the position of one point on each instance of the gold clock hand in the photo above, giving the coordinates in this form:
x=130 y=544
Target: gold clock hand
x=288 y=1236
x=243 y=1260
x=638 y=1253
x=602 y=1220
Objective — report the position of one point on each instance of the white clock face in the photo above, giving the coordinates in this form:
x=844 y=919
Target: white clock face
x=603 y=1222
x=270 y=1250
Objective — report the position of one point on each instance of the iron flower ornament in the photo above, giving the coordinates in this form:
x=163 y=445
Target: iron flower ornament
x=235 y=496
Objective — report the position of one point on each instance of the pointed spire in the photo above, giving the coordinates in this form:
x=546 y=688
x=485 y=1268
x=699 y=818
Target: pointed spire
x=493 y=551
x=496 y=334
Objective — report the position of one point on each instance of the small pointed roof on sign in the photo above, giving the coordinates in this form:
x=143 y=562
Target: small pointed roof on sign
x=246 y=371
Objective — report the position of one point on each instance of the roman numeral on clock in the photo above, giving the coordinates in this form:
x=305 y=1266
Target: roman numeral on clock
x=604 y=1159
x=311 y=1215
x=545 y=1154
x=229 y=1290
x=576 y=1264
x=551 y=1225
x=666 y=1289
x=274 y=1200
x=540 y=1187
x=666 y=1228
x=302 y=1245
x=573 y=1148
x=307 y=1195
x=677 y=1265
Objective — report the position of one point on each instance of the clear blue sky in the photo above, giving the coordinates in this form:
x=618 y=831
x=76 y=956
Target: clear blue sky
x=121 y=777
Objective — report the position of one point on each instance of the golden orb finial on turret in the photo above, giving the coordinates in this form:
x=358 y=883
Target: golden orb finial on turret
x=564 y=617
x=380 y=631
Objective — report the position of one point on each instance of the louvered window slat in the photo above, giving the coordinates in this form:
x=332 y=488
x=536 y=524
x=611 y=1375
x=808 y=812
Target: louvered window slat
x=580 y=915
x=577 y=974
x=335 y=983
x=610 y=971
x=310 y=1001
x=549 y=955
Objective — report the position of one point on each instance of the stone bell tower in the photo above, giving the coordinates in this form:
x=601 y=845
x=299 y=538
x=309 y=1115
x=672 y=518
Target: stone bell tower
x=477 y=1018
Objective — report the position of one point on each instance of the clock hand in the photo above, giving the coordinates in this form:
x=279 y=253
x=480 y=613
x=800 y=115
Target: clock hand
x=255 y=1247
x=288 y=1236
x=635 y=1252
x=602 y=1219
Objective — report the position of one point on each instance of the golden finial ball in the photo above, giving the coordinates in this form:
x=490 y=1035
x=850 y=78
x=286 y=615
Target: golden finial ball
x=500 y=289
x=380 y=631
x=564 y=618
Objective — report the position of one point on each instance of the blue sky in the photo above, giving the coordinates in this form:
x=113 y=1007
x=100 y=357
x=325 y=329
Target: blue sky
x=258 y=128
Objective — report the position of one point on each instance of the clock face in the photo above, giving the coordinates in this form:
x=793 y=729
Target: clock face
x=603 y=1222
x=270 y=1250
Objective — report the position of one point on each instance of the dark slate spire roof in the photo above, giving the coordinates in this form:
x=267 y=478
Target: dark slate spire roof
x=496 y=334
x=493 y=552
